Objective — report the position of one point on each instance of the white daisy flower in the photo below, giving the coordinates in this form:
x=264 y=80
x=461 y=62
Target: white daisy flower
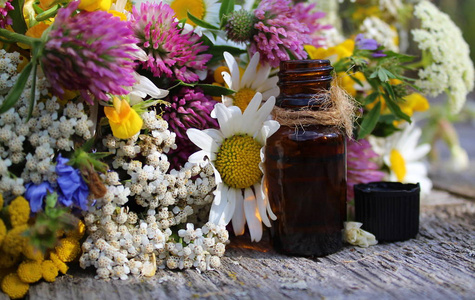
x=403 y=157
x=236 y=152
x=254 y=79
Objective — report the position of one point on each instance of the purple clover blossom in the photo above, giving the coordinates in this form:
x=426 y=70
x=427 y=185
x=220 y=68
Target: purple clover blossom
x=171 y=52
x=278 y=33
x=303 y=13
x=189 y=108
x=5 y=7
x=92 y=52
x=368 y=44
x=73 y=190
x=36 y=193
x=360 y=165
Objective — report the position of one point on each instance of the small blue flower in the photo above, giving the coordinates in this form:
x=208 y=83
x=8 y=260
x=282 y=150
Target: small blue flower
x=365 y=44
x=35 y=194
x=72 y=187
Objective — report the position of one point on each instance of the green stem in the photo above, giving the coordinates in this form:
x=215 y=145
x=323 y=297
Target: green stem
x=16 y=37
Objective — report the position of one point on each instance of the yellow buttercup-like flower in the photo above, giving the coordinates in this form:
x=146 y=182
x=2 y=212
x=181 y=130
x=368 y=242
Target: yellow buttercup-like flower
x=125 y=122
x=92 y=5
x=334 y=54
x=68 y=249
x=19 y=211
x=49 y=270
x=29 y=271
x=14 y=287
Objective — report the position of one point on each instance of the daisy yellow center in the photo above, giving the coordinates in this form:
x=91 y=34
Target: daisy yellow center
x=243 y=97
x=196 y=7
x=398 y=164
x=237 y=161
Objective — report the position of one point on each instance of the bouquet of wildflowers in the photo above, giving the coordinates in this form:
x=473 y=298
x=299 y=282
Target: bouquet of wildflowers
x=132 y=133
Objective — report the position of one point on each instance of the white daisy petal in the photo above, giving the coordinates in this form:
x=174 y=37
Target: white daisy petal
x=228 y=80
x=233 y=68
x=250 y=72
x=219 y=206
x=229 y=211
x=261 y=205
x=239 y=220
x=252 y=215
x=420 y=152
x=198 y=156
x=215 y=134
x=202 y=140
x=261 y=77
x=272 y=92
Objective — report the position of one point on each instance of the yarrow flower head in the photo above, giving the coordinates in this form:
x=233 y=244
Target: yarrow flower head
x=236 y=153
x=279 y=33
x=361 y=165
x=92 y=52
x=171 y=52
x=189 y=108
x=5 y=7
x=446 y=63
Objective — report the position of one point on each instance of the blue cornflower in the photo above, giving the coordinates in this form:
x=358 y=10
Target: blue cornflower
x=36 y=193
x=72 y=189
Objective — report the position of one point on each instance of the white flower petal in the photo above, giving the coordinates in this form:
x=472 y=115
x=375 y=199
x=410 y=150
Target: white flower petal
x=239 y=220
x=419 y=152
x=198 y=156
x=250 y=72
x=233 y=68
x=202 y=140
x=252 y=215
x=229 y=211
x=228 y=80
x=219 y=205
x=261 y=77
x=261 y=205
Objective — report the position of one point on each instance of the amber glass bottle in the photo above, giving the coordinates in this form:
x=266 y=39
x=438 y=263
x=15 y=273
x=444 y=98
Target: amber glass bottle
x=305 y=167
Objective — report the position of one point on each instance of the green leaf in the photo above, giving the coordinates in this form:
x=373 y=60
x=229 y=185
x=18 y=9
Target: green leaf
x=227 y=6
x=217 y=52
x=371 y=98
x=370 y=121
x=395 y=109
x=382 y=75
x=389 y=89
x=33 y=90
x=17 y=89
x=215 y=90
x=19 y=25
x=200 y=22
x=48 y=13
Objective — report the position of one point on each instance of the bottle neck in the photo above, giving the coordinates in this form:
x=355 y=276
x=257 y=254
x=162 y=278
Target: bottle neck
x=304 y=83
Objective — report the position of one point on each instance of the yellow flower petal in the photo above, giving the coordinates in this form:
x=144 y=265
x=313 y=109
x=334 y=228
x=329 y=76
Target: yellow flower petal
x=417 y=102
x=92 y=5
x=125 y=122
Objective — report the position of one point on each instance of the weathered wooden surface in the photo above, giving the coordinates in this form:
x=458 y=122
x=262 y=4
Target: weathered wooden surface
x=438 y=264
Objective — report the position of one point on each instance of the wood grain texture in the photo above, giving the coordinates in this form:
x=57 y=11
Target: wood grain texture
x=438 y=264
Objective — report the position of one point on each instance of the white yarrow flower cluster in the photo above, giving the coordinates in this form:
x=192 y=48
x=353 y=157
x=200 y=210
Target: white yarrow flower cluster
x=29 y=145
x=450 y=69
x=381 y=32
x=121 y=242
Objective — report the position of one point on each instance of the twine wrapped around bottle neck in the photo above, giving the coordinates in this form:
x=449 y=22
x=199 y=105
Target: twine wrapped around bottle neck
x=340 y=112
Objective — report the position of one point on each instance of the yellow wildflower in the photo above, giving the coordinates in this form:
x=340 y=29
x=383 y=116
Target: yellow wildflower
x=3 y=231
x=14 y=287
x=78 y=232
x=414 y=102
x=14 y=241
x=35 y=31
x=8 y=260
x=62 y=267
x=348 y=84
x=29 y=271
x=342 y=50
x=92 y=5
x=19 y=210
x=49 y=270
x=68 y=249
x=363 y=12
x=125 y=122
x=32 y=253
